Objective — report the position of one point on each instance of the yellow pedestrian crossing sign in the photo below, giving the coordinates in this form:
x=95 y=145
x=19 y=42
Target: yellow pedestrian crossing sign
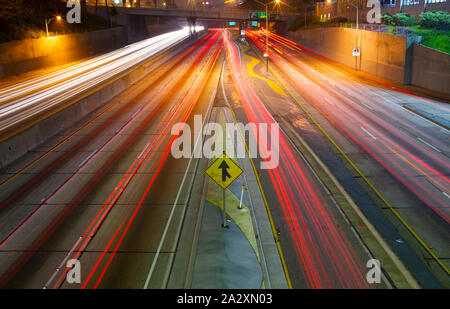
x=224 y=171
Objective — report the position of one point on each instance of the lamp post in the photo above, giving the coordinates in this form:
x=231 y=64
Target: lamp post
x=357 y=28
x=355 y=6
x=58 y=18
x=266 y=54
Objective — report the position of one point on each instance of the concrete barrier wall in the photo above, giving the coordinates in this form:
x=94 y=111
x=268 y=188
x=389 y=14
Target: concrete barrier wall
x=15 y=147
x=430 y=69
x=32 y=54
x=381 y=54
x=393 y=57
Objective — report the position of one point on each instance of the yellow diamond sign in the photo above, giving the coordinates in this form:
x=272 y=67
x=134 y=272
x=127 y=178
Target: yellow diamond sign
x=224 y=171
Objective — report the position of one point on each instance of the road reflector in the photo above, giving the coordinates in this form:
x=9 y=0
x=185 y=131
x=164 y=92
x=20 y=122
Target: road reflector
x=224 y=171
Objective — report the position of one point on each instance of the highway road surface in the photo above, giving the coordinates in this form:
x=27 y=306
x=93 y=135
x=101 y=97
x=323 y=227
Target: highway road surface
x=398 y=156
x=360 y=173
x=101 y=196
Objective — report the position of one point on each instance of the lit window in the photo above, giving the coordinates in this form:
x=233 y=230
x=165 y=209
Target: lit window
x=410 y=2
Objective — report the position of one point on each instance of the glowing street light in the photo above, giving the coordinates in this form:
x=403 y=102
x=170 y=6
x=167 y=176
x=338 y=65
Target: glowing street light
x=58 y=18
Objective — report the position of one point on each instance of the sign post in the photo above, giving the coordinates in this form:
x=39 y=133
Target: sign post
x=224 y=171
x=356 y=53
x=242 y=196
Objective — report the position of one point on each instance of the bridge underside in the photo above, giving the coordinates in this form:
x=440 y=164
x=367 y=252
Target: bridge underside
x=136 y=20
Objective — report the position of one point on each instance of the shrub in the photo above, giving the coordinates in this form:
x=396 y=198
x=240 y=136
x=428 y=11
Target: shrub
x=404 y=19
x=387 y=19
x=435 y=20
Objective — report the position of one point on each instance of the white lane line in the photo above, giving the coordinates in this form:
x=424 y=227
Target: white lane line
x=90 y=156
x=142 y=152
x=369 y=107
x=368 y=133
x=329 y=101
x=175 y=203
x=445 y=193
x=62 y=263
x=137 y=112
x=428 y=144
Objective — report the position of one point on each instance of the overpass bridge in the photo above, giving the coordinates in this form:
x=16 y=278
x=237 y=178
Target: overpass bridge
x=224 y=14
x=133 y=18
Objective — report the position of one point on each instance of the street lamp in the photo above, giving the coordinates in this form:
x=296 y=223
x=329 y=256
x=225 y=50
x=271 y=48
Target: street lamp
x=355 y=6
x=58 y=18
x=357 y=28
x=266 y=54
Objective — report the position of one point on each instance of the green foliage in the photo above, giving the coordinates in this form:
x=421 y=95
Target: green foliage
x=435 y=20
x=400 y=19
x=437 y=39
x=387 y=19
x=404 y=19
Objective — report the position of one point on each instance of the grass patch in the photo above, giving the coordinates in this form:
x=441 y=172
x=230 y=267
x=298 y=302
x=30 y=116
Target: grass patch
x=437 y=39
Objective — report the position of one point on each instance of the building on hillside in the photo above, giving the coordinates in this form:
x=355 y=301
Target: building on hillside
x=329 y=9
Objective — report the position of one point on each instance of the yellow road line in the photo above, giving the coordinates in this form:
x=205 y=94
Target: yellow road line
x=250 y=66
x=418 y=238
x=272 y=225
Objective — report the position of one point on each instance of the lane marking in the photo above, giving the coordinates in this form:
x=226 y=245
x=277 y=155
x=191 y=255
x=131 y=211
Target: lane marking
x=262 y=255
x=139 y=85
x=137 y=112
x=143 y=151
x=368 y=133
x=428 y=144
x=329 y=101
x=88 y=157
x=366 y=105
x=250 y=68
x=445 y=193
x=269 y=213
x=399 y=217
x=62 y=264
x=175 y=203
